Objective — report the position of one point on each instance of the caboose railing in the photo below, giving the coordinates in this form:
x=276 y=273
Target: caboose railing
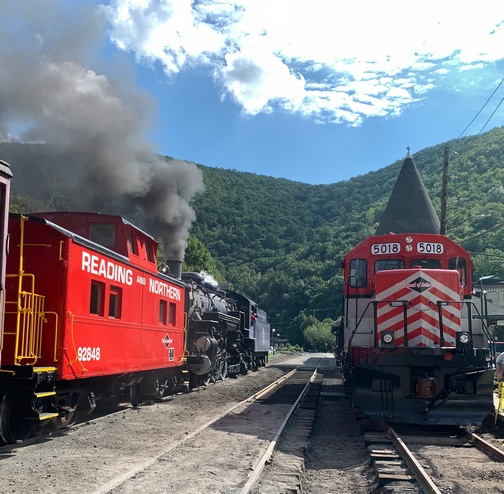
x=27 y=309
x=30 y=317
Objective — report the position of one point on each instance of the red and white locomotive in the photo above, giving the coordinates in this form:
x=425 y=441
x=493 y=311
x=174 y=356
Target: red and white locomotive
x=413 y=346
x=88 y=314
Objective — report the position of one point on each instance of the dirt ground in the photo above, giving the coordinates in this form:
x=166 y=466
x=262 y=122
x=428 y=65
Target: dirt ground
x=145 y=447
x=98 y=455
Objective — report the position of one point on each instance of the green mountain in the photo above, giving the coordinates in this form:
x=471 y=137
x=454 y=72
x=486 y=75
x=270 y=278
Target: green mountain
x=281 y=241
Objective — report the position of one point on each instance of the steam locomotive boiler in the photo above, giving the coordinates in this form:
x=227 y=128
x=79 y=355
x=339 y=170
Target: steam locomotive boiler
x=412 y=343
x=227 y=333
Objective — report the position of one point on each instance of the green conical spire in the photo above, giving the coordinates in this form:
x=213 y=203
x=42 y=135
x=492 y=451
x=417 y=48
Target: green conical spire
x=409 y=209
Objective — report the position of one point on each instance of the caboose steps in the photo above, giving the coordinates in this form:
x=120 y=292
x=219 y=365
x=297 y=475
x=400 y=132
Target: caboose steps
x=45 y=394
x=44 y=416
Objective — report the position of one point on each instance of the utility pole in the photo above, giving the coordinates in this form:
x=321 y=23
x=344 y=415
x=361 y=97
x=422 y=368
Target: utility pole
x=444 y=193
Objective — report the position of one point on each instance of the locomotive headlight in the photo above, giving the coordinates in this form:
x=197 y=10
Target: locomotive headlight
x=387 y=338
x=463 y=339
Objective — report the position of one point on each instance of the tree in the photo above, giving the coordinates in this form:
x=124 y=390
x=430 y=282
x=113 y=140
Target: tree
x=198 y=258
x=319 y=337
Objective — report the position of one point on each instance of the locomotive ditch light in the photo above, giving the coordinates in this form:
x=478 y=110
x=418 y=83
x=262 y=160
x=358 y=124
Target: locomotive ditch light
x=463 y=339
x=387 y=339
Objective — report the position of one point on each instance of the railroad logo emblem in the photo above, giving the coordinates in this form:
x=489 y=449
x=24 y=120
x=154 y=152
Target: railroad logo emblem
x=420 y=285
x=167 y=341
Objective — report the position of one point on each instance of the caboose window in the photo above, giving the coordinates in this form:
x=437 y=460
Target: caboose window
x=150 y=255
x=426 y=263
x=103 y=234
x=384 y=265
x=162 y=311
x=460 y=264
x=172 y=314
x=358 y=273
x=132 y=243
x=97 y=298
x=115 y=302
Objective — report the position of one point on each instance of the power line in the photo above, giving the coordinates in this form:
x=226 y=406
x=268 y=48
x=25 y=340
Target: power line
x=476 y=202
x=481 y=109
x=491 y=116
x=495 y=227
x=493 y=256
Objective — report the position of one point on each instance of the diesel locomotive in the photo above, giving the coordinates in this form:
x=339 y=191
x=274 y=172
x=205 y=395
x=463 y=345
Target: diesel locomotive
x=413 y=345
x=87 y=313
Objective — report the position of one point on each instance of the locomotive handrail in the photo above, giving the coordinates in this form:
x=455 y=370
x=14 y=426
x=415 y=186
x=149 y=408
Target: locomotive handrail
x=354 y=332
x=356 y=303
x=484 y=327
x=405 y=304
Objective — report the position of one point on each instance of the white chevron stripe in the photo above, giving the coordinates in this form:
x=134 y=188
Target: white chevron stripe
x=388 y=294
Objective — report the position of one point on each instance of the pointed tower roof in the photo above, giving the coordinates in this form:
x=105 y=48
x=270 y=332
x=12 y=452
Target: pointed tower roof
x=409 y=209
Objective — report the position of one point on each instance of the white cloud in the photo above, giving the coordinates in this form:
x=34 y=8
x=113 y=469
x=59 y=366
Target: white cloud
x=340 y=62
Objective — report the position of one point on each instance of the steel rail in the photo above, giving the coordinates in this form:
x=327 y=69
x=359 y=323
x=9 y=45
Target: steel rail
x=420 y=474
x=121 y=479
x=487 y=448
x=259 y=467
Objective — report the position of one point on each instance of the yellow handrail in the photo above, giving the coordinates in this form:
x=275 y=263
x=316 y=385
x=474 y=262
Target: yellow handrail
x=29 y=314
x=500 y=407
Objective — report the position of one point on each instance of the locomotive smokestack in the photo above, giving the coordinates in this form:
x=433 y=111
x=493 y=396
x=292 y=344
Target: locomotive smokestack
x=175 y=268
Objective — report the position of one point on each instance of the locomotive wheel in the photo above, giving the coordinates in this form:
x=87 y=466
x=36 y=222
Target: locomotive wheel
x=222 y=366
x=222 y=371
x=14 y=409
x=199 y=381
x=135 y=394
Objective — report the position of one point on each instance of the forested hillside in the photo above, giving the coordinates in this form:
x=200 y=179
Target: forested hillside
x=281 y=241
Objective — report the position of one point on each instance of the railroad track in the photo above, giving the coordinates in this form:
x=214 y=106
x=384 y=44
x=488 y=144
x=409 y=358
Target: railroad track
x=263 y=415
x=431 y=464
x=217 y=440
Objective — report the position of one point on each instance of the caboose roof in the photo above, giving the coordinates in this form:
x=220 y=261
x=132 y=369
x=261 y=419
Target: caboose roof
x=124 y=242
x=75 y=221
x=78 y=239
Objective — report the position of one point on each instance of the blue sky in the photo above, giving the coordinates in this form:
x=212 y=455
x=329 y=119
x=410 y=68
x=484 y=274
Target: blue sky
x=316 y=91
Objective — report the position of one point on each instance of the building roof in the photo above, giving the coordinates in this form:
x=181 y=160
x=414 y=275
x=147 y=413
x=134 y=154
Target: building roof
x=409 y=209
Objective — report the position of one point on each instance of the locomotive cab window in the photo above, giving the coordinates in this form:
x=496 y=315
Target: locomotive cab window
x=97 y=298
x=103 y=234
x=386 y=264
x=460 y=264
x=425 y=263
x=358 y=273
x=115 y=302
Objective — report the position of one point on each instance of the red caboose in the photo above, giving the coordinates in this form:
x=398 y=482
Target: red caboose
x=87 y=313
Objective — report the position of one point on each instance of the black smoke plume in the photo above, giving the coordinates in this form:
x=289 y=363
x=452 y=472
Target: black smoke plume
x=52 y=90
